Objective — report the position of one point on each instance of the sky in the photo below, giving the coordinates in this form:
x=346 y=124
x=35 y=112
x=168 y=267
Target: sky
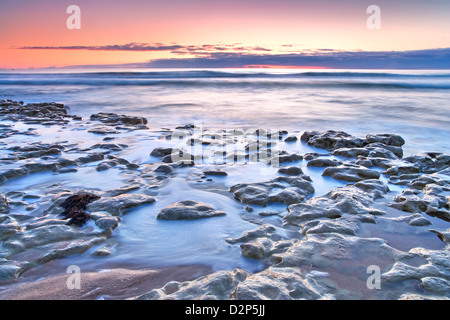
x=225 y=33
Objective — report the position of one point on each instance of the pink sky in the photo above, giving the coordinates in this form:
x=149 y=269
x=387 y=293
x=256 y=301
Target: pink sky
x=282 y=26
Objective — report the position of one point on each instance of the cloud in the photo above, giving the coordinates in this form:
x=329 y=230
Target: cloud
x=198 y=50
x=237 y=55
x=416 y=59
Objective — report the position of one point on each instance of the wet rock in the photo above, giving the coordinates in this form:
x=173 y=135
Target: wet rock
x=291 y=139
x=335 y=250
x=188 y=210
x=93 y=157
x=374 y=186
x=215 y=173
x=9 y=271
x=291 y=171
x=429 y=162
x=335 y=204
x=323 y=163
x=109 y=146
x=344 y=226
x=414 y=220
x=387 y=139
x=402 y=168
x=114 y=118
x=8 y=227
x=107 y=224
x=287 y=190
x=102 y=252
x=352 y=173
x=220 y=285
x=105 y=165
x=116 y=205
x=4 y=204
x=443 y=235
x=331 y=140
x=279 y=284
x=103 y=130
x=264 y=231
x=396 y=150
x=46 y=110
x=164 y=168
x=285 y=158
x=161 y=152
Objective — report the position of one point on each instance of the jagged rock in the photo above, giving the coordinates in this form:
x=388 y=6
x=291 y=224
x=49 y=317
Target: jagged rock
x=287 y=190
x=323 y=163
x=188 y=210
x=114 y=118
x=388 y=139
x=352 y=173
x=331 y=140
x=4 y=203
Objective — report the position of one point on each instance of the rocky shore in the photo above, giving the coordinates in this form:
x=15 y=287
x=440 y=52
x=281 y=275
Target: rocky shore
x=382 y=208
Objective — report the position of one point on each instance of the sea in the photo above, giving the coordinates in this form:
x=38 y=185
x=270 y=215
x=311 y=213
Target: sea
x=412 y=103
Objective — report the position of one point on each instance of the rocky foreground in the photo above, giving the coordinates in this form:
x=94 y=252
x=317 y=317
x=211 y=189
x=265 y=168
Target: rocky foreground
x=381 y=190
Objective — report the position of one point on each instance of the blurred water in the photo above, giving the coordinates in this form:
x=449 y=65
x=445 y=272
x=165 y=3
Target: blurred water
x=413 y=104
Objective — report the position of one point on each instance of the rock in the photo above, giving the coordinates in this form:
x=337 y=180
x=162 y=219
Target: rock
x=161 y=152
x=436 y=285
x=188 y=210
x=352 y=173
x=93 y=157
x=323 y=163
x=215 y=173
x=400 y=169
x=4 y=203
x=374 y=186
x=388 y=139
x=164 y=168
x=9 y=271
x=335 y=204
x=102 y=252
x=264 y=231
x=291 y=139
x=107 y=224
x=220 y=285
x=287 y=190
x=46 y=110
x=116 y=205
x=344 y=226
x=114 y=118
x=291 y=171
x=103 y=130
x=331 y=140
x=279 y=284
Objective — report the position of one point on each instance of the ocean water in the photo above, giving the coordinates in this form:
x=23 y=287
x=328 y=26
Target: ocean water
x=413 y=103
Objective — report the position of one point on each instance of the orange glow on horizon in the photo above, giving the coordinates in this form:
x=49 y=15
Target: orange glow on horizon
x=269 y=66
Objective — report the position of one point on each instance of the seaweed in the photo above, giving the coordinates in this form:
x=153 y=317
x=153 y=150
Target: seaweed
x=75 y=208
